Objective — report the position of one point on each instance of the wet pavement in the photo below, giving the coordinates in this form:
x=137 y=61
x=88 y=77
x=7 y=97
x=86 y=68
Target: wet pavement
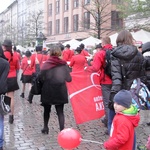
x=25 y=132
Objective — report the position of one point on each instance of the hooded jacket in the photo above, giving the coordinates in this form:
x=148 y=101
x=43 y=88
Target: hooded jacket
x=122 y=130
x=133 y=63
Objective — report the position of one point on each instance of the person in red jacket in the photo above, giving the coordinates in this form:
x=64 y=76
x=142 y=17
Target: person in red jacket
x=78 y=61
x=67 y=54
x=124 y=123
x=27 y=71
x=37 y=60
x=105 y=81
x=12 y=76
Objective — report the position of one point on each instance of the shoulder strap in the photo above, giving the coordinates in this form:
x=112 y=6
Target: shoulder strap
x=25 y=69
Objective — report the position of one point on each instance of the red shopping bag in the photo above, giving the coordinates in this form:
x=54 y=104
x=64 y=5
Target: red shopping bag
x=86 y=96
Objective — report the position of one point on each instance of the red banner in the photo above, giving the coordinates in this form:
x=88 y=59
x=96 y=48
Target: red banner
x=85 y=96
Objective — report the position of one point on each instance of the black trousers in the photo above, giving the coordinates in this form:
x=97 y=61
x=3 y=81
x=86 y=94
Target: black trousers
x=60 y=114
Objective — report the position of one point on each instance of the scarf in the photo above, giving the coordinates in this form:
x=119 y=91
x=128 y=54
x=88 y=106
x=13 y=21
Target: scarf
x=52 y=62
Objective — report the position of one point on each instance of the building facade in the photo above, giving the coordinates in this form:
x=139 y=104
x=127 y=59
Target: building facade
x=76 y=19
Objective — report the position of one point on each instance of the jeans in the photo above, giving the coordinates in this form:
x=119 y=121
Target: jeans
x=111 y=114
x=106 y=88
x=1 y=130
x=134 y=144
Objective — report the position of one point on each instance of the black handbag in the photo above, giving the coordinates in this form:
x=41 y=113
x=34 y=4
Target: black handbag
x=4 y=104
x=36 y=86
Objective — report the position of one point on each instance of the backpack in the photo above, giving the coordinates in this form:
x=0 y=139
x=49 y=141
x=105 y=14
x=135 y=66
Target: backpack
x=140 y=95
x=107 y=66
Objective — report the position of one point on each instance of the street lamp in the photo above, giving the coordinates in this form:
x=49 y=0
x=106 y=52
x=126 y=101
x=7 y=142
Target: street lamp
x=40 y=40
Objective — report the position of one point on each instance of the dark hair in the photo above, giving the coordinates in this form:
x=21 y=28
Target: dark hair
x=14 y=48
x=38 y=48
x=2 y=53
x=9 y=49
x=78 y=49
x=124 y=37
x=82 y=46
x=55 y=51
x=28 y=53
x=61 y=47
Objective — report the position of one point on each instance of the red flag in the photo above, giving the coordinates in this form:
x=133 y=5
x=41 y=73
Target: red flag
x=86 y=96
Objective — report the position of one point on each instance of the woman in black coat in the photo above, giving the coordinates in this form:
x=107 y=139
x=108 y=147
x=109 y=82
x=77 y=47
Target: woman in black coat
x=4 y=70
x=54 y=75
x=125 y=56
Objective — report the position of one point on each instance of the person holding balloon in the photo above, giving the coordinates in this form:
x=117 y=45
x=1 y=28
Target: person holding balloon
x=53 y=76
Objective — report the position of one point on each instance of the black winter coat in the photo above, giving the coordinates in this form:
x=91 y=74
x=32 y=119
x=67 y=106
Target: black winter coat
x=4 y=70
x=54 y=90
x=133 y=62
x=147 y=67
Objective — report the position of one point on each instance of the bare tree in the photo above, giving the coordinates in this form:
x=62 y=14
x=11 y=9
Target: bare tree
x=100 y=10
x=34 y=24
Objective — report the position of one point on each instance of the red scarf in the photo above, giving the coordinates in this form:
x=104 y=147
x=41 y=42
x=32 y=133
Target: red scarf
x=52 y=62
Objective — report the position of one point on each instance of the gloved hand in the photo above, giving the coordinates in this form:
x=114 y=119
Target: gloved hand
x=111 y=102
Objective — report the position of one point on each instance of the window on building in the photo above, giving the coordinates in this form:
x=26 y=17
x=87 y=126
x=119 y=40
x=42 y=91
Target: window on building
x=116 y=20
x=86 y=2
x=49 y=28
x=57 y=6
x=66 y=5
x=57 y=26
x=75 y=22
x=87 y=20
x=76 y=3
x=66 y=25
x=50 y=9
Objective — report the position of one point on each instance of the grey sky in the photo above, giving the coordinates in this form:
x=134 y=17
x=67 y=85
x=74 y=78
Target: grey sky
x=4 y=4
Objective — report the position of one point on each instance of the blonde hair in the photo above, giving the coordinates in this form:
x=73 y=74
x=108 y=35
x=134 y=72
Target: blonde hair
x=106 y=40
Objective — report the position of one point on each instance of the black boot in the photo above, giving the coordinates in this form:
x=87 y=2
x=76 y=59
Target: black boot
x=45 y=130
x=22 y=95
x=30 y=98
x=148 y=123
x=11 y=119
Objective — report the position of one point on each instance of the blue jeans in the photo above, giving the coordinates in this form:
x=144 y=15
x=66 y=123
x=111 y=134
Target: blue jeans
x=111 y=114
x=1 y=130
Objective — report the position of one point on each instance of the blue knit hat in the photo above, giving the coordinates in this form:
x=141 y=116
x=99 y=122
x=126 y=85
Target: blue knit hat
x=123 y=98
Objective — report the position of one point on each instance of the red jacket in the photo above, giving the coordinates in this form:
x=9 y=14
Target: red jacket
x=27 y=69
x=67 y=54
x=122 y=132
x=41 y=58
x=77 y=63
x=13 y=63
x=84 y=53
x=98 y=65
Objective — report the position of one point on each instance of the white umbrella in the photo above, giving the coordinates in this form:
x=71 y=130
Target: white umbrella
x=113 y=39
x=142 y=36
x=73 y=43
x=90 y=42
x=22 y=49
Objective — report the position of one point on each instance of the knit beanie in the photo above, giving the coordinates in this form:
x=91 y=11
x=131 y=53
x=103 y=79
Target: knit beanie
x=123 y=98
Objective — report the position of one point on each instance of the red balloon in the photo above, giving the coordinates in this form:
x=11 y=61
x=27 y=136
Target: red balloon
x=69 y=138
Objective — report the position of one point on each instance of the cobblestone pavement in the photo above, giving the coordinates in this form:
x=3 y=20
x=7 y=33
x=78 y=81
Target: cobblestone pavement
x=25 y=132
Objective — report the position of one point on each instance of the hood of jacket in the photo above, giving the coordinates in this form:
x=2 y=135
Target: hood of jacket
x=132 y=115
x=126 y=52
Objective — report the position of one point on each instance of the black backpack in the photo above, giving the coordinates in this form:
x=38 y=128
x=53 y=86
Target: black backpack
x=107 y=66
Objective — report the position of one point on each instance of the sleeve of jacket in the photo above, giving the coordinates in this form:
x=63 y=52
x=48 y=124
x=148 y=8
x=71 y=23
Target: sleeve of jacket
x=97 y=63
x=116 y=74
x=68 y=76
x=3 y=77
x=120 y=139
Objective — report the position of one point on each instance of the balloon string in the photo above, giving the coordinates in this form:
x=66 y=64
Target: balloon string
x=91 y=141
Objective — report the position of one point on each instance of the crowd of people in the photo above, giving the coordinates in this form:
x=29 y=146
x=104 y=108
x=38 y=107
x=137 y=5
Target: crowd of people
x=53 y=69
